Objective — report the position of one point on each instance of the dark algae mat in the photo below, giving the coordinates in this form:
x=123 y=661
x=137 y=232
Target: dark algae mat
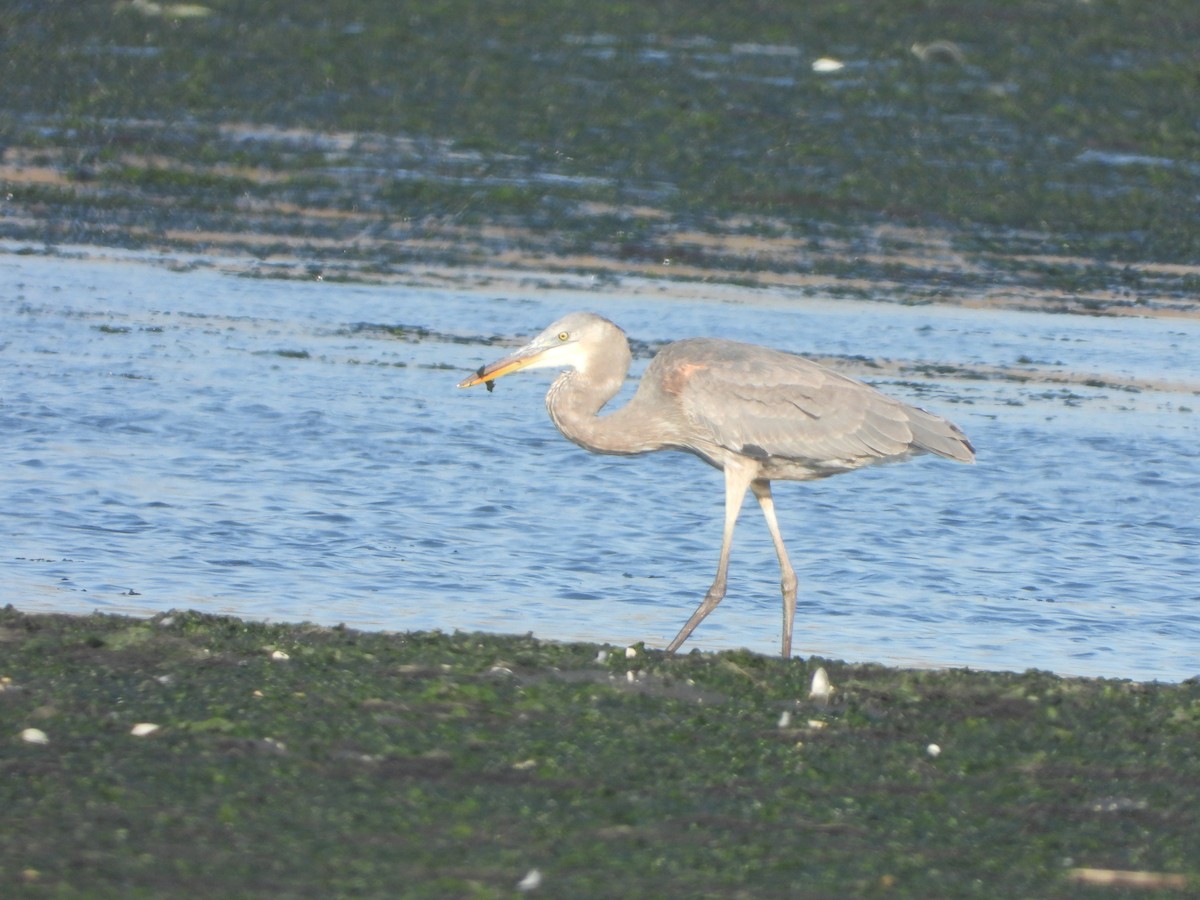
x=1033 y=153
x=198 y=755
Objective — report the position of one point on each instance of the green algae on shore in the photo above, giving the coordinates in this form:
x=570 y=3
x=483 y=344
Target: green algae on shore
x=1051 y=149
x=297 y=760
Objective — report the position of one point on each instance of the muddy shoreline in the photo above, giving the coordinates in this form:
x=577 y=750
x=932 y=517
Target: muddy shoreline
x=336 y=238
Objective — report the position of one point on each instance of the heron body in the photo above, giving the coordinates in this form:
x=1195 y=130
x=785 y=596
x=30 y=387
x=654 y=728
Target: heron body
x=757 y=414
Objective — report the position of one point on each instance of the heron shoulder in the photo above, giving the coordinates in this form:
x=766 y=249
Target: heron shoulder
x=714 y=370
x=716 y=362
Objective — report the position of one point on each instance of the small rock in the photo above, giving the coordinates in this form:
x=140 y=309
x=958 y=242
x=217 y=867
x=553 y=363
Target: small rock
x=940 y=51
x=827 y=64
x=531 y=882
x=34 y=736
x=821 y=688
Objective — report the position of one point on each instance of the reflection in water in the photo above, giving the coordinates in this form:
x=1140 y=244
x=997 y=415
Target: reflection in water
x=245 y=447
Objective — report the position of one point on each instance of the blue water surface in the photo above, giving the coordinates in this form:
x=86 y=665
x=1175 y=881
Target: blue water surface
x=251 y=446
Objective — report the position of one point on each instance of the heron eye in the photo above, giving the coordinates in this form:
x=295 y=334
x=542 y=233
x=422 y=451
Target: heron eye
x=562 y=335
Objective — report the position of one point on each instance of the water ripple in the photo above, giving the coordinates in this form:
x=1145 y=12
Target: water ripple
x=242 y=447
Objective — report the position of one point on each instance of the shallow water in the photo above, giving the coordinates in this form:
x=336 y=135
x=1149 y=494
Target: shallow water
x=246 y=446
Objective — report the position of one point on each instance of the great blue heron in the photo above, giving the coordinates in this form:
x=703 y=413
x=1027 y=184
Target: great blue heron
x=757 y=414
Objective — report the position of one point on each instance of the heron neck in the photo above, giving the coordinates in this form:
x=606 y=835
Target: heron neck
x=574 y=403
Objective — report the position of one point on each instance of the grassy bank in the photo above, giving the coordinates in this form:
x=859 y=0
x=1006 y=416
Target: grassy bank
x=294 y=760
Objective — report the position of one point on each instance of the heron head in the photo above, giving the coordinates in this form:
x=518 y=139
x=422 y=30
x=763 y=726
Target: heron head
x=569 y=343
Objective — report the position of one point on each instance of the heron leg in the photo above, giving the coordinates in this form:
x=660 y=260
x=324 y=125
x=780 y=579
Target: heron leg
x=787 y=575
x=737 y=480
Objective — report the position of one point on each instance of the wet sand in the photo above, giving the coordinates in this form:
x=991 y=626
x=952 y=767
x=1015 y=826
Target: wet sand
x=289 y=239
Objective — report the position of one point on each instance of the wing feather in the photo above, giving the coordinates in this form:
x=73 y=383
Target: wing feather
x=770 y=404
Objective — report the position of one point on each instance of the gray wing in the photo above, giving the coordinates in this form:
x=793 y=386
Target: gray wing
x=777 y=406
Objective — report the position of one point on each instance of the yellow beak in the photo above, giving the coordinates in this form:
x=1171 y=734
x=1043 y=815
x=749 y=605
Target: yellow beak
x=489 y=373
